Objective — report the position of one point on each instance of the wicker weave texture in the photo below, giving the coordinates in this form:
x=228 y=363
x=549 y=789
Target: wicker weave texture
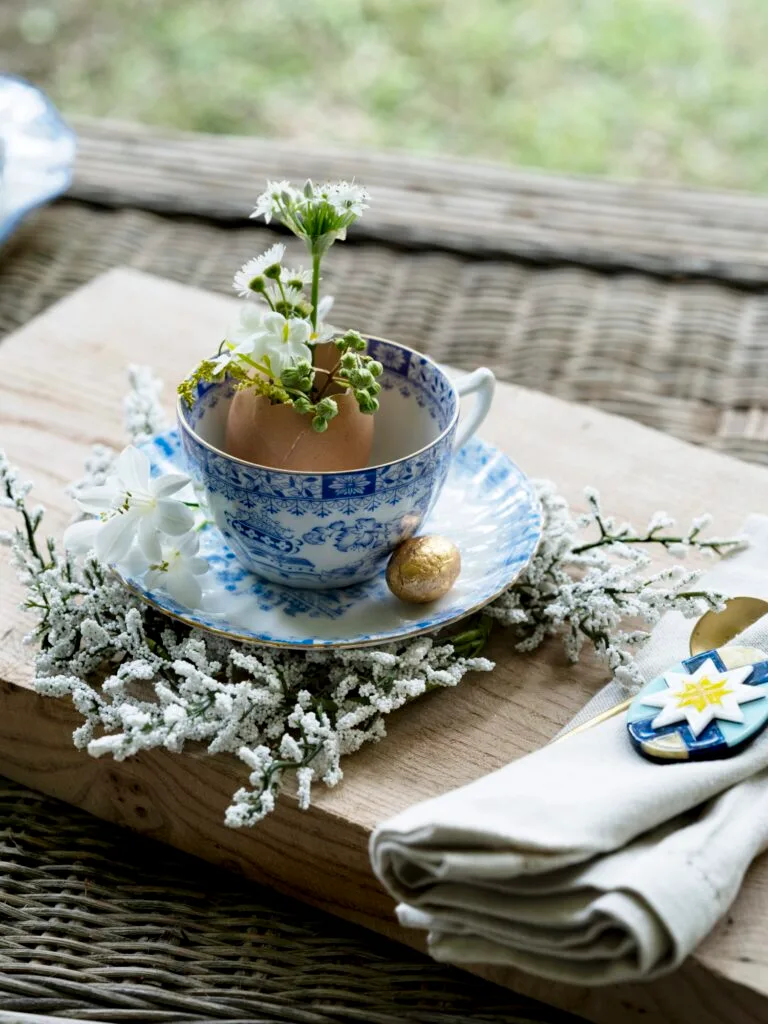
x=98 y=924
x=688 y=358
x=423 y=202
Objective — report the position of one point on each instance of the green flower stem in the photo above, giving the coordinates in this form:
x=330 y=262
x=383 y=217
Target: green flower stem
x=315 y=287
x=282 y=293
x=261 y=367
x=470 y=642
x=329 y=380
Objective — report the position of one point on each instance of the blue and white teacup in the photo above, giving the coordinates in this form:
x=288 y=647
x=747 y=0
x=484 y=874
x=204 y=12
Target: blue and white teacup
x=320 y=530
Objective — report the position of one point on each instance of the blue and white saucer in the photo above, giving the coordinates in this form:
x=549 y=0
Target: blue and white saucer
x=487 y=507
x=37 y=151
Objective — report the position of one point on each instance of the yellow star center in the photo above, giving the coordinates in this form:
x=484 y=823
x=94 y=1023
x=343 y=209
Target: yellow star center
x=698 y=694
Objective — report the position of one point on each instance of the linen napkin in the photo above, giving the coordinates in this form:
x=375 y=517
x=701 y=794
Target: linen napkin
x=584 y=862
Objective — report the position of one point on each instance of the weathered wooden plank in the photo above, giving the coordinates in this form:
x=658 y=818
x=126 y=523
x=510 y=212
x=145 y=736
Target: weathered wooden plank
x=474 y=208
x=46 y=424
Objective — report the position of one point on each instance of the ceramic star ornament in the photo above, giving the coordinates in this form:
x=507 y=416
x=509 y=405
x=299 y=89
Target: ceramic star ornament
x=708 y=706
x=704 y=696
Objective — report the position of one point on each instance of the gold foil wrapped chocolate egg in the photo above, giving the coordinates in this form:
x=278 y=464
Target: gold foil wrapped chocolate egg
x=423 y=568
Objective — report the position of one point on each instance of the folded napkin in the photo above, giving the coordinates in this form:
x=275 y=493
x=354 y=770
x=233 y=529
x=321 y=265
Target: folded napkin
x=584 y=862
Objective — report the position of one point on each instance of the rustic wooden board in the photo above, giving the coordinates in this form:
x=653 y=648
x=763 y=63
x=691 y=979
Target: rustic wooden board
x=62 y=378
x=474 y=208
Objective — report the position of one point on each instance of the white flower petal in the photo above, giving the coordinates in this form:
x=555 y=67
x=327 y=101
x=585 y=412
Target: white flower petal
x=155 y=579
x=135 y=563
x=189 y=545
x=325 y=332
x=172 y=517
x=133 y=469
x=188 y=493
x=256 y=267
x=99 y=499
x=274 y=324
x=149 y=540
x=183 y=588
x=80 y=538
x=299 y=332
x=114 y=539
x=223 y=360
x=324 y=307
x=248 y=325
x=198 y=565
x=163 y=486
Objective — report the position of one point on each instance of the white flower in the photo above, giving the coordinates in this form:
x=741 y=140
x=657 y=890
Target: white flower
x=324 y=307
x=269 y=201
x=130 y=505
x=324 y=331
x=347 y=197
x=284 y=342
x=291 y=275
x=177 y=571
x=256 y=267
x=80 y=537
x=243 y=338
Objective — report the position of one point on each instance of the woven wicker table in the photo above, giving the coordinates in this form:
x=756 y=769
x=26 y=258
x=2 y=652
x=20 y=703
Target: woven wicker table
x=649 y=303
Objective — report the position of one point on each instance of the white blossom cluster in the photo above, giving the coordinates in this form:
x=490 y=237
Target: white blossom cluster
x=141 y=680
x=586 y=591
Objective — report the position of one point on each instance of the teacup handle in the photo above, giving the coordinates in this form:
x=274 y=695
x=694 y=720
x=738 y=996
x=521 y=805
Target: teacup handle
x=480 y=382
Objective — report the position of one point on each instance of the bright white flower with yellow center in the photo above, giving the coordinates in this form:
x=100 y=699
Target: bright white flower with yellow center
x=130 y=506
x=178 y=570
x=284 y=342
x=704 y=696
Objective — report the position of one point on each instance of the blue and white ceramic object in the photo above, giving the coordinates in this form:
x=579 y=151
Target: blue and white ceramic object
x=487 y=507
x=708 y=706
x=317 y=530
x=37 y=151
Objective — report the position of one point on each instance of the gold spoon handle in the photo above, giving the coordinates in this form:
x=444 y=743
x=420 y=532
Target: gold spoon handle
x=602 y=717
x=716 y=629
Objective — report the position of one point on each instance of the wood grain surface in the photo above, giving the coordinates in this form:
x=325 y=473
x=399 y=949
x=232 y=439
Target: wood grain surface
x=47 y=423
x=466 y=206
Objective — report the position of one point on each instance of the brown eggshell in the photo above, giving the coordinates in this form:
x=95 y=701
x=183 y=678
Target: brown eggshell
x=281 y=438
x=325 y=356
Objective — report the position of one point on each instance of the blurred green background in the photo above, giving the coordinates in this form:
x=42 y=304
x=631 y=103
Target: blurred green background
x=661 y=89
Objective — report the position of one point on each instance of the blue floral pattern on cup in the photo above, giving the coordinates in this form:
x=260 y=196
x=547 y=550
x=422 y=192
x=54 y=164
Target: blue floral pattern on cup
x=488 y=507
x=309 y=529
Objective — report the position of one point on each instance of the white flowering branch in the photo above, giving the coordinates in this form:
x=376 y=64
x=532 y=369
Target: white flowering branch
x=586 y=591
x=141 y=680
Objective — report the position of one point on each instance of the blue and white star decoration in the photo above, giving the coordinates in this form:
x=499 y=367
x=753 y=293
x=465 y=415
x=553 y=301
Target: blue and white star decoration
x=709 y=706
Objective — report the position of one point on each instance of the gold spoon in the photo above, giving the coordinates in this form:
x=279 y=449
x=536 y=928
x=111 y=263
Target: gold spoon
x=713 y=629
